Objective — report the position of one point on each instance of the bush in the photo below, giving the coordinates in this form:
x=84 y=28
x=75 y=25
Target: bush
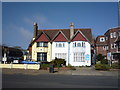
x=102 y=67
x=99 y=57
x=115 y=66
x=102 y=59
x=57 y=62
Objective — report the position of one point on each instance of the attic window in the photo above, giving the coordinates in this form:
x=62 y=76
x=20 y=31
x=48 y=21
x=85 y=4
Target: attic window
x=102 y=39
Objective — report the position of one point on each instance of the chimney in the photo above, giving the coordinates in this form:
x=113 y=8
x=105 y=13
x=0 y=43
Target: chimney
x=35 y=29
x=71 y=30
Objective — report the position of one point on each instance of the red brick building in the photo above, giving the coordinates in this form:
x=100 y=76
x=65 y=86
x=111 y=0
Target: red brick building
x=101 y=45
x=106 y=44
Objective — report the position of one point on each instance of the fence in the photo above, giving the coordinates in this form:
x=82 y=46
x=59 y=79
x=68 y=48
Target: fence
x=20 y=66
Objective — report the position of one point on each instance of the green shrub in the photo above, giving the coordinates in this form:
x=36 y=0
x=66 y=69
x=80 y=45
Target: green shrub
x=115 y=66
x=99 y=57
x=102 y=67
x=102 y=59
x=58 y=61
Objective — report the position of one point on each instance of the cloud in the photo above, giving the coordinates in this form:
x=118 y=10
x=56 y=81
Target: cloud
x=40 y=18
x=24 y=33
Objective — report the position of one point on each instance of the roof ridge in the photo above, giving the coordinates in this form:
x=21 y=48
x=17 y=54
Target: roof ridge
x=67 y=29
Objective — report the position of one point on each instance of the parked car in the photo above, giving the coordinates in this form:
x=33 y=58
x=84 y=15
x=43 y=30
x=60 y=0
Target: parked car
x=30 y=62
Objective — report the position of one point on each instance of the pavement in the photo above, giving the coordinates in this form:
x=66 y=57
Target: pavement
x=78 y=71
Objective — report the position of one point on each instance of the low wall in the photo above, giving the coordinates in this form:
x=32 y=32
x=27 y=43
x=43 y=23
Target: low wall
x=20 y=66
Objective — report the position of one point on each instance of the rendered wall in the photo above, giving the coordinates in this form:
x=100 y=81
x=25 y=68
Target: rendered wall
x=87 y=51
x=60 y=50
x=36 y=49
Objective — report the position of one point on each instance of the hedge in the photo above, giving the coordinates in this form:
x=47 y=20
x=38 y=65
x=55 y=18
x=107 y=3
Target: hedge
x=102 y=67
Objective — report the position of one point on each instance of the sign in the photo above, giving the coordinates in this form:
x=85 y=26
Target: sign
x=108 y=56
x=87 y=57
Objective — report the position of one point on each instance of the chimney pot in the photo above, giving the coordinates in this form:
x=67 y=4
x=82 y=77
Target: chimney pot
x=71 y=30
x=35 y=29
x=72 y=24
x=35 y=23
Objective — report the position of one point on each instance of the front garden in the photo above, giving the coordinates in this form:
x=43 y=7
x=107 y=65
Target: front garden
x=102 y=64
x=58 y=64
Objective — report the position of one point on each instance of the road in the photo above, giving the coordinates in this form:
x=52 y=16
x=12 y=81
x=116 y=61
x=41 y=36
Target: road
x=58 y=81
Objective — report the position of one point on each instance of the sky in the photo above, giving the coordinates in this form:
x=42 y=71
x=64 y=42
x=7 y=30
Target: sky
x=18 y=18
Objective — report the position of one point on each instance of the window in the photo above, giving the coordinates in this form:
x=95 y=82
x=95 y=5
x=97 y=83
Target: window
x=113 y=46
x=41 y=56
x=79 y=44
x=60 y=44
x=79 y=57
x=42 y=44
x=75 y=44
x=61 y=55
x=111 y=35
x=102 y=39
x=83 y=44
x=56 y=45
x=106 y=38
x=114 y=34
x=104 y=48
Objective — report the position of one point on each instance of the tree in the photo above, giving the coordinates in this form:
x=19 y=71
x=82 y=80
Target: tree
x=102 y=59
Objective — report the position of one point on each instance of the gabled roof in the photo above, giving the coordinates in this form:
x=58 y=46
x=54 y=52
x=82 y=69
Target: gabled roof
x=42 y=37
x=51 y=33
x=112 y=30
x=78 y=36
x=60 y=37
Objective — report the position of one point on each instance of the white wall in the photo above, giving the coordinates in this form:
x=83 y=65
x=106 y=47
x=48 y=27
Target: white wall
x=86 y=49
x=60 y=50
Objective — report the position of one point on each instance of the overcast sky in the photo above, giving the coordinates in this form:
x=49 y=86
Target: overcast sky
x=18 y=18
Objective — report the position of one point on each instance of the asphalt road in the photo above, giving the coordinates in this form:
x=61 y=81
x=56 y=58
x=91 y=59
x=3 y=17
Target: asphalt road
x=58 y=81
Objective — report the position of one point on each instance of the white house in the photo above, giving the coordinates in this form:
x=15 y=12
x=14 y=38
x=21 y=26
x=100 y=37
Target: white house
x=73 y=45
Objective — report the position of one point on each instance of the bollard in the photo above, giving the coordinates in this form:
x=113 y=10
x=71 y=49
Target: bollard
x=10 y=65
x=25 y=65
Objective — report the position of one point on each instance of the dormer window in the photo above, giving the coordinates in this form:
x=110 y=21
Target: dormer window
x=102 y=39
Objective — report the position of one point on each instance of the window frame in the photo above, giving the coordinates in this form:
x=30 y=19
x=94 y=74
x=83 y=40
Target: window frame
x=42 y=44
